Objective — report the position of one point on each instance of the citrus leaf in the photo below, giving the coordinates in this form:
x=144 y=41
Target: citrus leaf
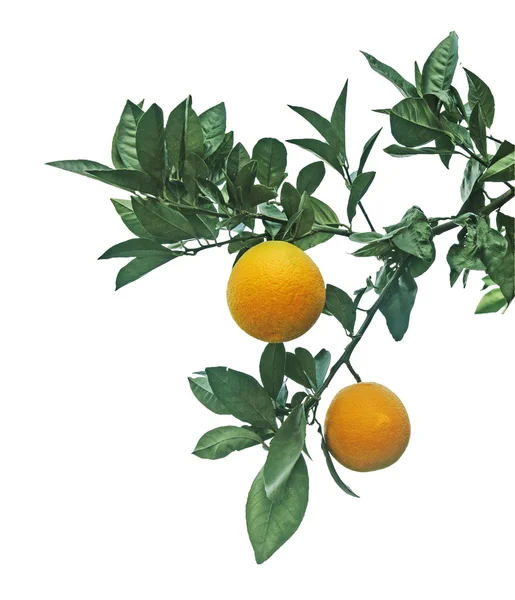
x=293 y=370
x=174 y=135
x=493 y=301
x=407 y=89
x=338 y=118
x=126 y=136
x=418 y=80
x=193 y=134
x=137 y=248
x=322 y=363
x=259 y=194
x=358 y=189
x=413 y=123
x=204 y=394
x=271 y=157
x=321 y=124
x=126 y=179
x=285 y=450
x=480 y=93
x=150 y=144
x=161 y=221
x=332 y=470
x=80 y=166
x=213 y=122
x=367 y=148
x=307 y=364
x=477 y=128
x=124 y=208
x=438 y=70
x=290 y=199
x=271 y=524
x=242 y=395
x=310 y=177
x=237 y=159
x=504 y=274
x=500 y=170
x=322 y=150
x=271 y=368
x=445 y=148
x=220 y=442
x=398 y=304
x=340 y=305
x=402 y=151
x=141 y=266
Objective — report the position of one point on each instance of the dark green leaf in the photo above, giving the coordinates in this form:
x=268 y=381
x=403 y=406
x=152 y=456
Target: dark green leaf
x=244 y=241
x=213 y=122
x=285 y=450
x=477 y=129
x=504 y=274
x=380 y=249
x=332 y=470
x=321 y=124
x=418 y=80
x=492 y=246
x=259 y=194
x=115 y=155
x=382 y=111
x=282 y=396
x=312 y=240
x=358 y=189
x=80 y=166
x=271 y=524
x=294 y=370
x=271 y=368
x=141 y=266
x=210 y=190
x=271 y=156
x=307 y=217
x=237 y=159
x=193 y=134
x=493 y=301
x=307 y=364
x=341 y=306
x=413 y=122
x=204 y=394
x=310 y=177
x=407 y=89
x=402 y=151
x=338 y=118
x=367 y=148
x=458 y=134
x=126 y=179
x=470 y=177
x=138 y=248
x=445 y=149
x=175 y=135
x=416 y=235
x=124 y=209
x=324 y=214
x=242 y=395
x=220 y=442
x=150 y=144
x=398 y=303
x=322 y=150
x=322 y=363
x=438 y=70
x=297 y=399
x=366 y=237
x=161 y=221
x=126 y=136
x=290 y=199
x=480 y=93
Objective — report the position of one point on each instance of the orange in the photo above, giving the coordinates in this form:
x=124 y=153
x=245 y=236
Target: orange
x=366 y=427
x=275 y=292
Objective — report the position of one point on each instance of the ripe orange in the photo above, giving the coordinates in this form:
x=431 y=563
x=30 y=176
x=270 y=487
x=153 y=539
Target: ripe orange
x=366 y=427
x=275 y=292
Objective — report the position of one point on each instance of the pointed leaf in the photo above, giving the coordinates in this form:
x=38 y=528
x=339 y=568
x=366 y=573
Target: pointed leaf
x=238 y=158
x=500 y=170
x=294 y=370
x=341 y=306
x=126 y=136
x=161 y=221
x=321 y=124
x=80 y=166
x=271 y=157
x=310 y=177
x=413 y=123
x=150 y=144
x=480 y=93
x=193 y=134
x=213 y=122
x=332 y=469
x=307 y=364
x=271 y=368
x=174 y=135
x=137 y=248
x=367 y=148
x=493 y=301
x=124 y=209
x=402 y=151
x=398 y=304
x=126 y=179
x=141 y=266
x=407 y=89
x=504 y=273
x=290 y=199
x=418 y=80
x=322 y=150
x=322 y=363
x=204 y=394
x=220 y=442
x=477 y=129
x=358 y=189
x=338 y=118
x=439 y=68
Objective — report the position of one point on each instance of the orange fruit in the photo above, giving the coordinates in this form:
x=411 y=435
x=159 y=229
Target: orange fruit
x=366 y=427
x=275 y=292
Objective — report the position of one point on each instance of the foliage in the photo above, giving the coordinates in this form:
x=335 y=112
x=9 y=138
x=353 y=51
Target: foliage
x=192 y=188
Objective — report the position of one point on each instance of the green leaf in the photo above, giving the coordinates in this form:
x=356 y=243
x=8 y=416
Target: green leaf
x=470 y=178
x=174 y=135
x=310 y=177
x=211 y=191
x=322 y=150
x=493 y=301
x=312 y=240
x=380 y=248
x=271 y=524
x=126 y=135
x=242 y=395
x=504 y=274
x=465 y=254
x=80 y=166
x=324 y=214
x=358 y=189
x=477 y=128
x=293 y=370
x=367 y=148
x=213 y=122
x=115 y=155
x=204 y=394
x=285 y=450
x=457 y=133
x=492 y=246
x=259 y=194
x=220 y=442
x=150 y=145
x=416 y=235
x=398 y=304
x=413 y=123
x=290 y=199
x=407 y=89
x=245 y=178
x=500 y=170
x=307 y=364
x=137 y=248
x=402 y=151
x=332 y=469
x=445 y=149
x=366 y=237
x=244 y=241
x=480 y=94
x=418 y=80
x=298 y=398
x=382 y=111
x=161 y=221
x=307 y=217
x=271 y=368
x=282 y=396
x=193 y=134
x=141 y=266
x=271 y=157
x=341 y=306
x=124 y=209
x=321 y=124
x=338 y=118
x=322 y=363
x=237 y=159
x=439 y=68
x=126 y=179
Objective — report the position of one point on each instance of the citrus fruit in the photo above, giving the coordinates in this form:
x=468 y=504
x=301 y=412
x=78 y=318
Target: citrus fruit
x=366 y=427
x=275 y=292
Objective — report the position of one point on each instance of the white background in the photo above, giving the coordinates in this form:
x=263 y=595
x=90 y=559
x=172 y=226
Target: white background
x=100 y=495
